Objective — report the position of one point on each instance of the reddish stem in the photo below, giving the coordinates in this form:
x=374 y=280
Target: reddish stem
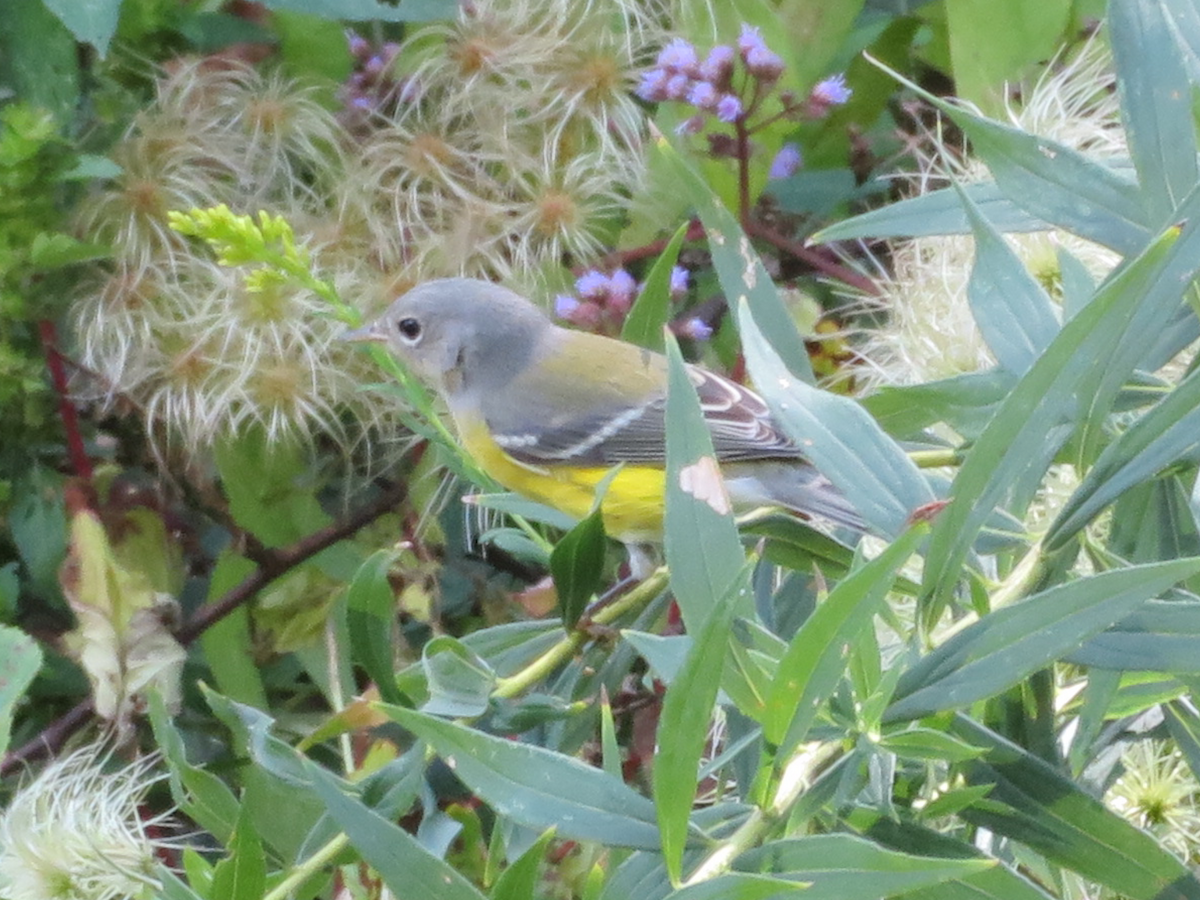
x=66 y=409
x=817 y=260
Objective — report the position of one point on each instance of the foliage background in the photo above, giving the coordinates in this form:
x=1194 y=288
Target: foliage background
x=224 y=542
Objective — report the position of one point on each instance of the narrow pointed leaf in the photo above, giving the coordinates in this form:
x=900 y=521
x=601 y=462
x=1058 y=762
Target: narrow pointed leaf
x=460 y=682
x=370 y=619
x=652 y=309
x=1157 y=114
x=702 y=545
x=1161 y=636
x=740 y=886
x=1032 y=803
x=20 y=660
x=816 y=658
x=577 y=566
x=1013 y=313
x=683 y=726
x=539 y=788
x=838 y=435
x=1006 y=646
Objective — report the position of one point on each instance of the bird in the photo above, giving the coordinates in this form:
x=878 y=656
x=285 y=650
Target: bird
x=548 y=412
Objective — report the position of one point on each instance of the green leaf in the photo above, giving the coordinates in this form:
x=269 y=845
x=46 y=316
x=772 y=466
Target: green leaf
x=39 y=58
x=371 y=10
x=1006 y=646
x=243 y=874
x=739 y=269
x=460 y=683
x=200 y=795
x=539 y=788
x=57 y=250
x=91 y=21
x=815 y=660
x=652 y=309
x=838 y=435
x=842 y=865
x=1021 y=440
x=371 y=622
x=701 y=540
x=683 y=726
x=935 y=213
x=1167 y=432
x=928 y=744
x=311 y=46
x=1054 y=182
x=1032 y=803
x=965 y=402
x=1158 y=120
x=520 y=880
x=1161 y=636
x=20 y=659
x=406 y=867
x=740 y=886
x=228 y=644
x=577 y=563
x=1013 y=313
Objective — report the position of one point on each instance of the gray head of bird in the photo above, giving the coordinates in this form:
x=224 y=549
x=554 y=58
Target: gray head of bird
x=460 y=334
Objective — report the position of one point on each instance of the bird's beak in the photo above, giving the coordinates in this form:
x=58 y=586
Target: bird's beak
x=371 y=333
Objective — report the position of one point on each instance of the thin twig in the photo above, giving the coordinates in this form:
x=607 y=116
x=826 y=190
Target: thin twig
x=66 y=409
x=276 y=563
x=814 y=258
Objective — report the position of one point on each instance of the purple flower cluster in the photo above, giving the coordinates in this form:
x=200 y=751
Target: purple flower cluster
x=371 y=87
x=601 y=302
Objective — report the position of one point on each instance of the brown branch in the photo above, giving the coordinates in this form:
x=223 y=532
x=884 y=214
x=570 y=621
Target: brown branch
x=814 y=258
x=276 y=563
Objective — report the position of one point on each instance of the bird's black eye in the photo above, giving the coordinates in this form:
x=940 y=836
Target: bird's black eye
x=409 y=328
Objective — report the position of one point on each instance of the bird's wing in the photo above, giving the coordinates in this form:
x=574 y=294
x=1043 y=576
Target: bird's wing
x=607 y=428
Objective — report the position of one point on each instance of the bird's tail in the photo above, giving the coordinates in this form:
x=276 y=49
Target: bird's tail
x=797 y=486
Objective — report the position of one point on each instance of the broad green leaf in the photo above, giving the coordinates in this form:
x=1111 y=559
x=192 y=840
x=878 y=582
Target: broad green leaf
x=20 y=659
x=683 y=726
x=228 y=644
x=815 y=660
x=935 y=213
x=701 y=540
x=991 y=46
x=1156 y=113
x=200 y=795
x=1170 y=430
x=965 y=402
x=842 y=865
x=1023 y=437
x=838 y=435
x=39 y=59
x=739 y=268
x=91 y=21
x=243 y=874
x=311 y=46
x=460 y=683
x=1032 y=803
x=407 y=868
x=371 y=619
x=1006 y=646
x=537 y=787
x=577 y=565
x=652 y=309
x=371 y=10
x=1013 y=313
x=1161 y=636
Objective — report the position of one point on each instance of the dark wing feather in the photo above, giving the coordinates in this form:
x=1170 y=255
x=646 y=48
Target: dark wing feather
x=739 y=420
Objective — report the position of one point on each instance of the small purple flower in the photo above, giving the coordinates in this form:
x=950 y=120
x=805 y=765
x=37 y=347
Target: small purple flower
x=693 y=125
x=679 y=281
x=831 y=92
x=621 y=288
x=677 y=87
x=592 y=284
x=366 y=104
x=653 y=86
x=729 y=108
x=696 y=329
x=764 y=64
x=704 y=96
x=750 y=39
x=565 y=306
x=678 y=56
x=360 y=47
x=786 y=162
x=374 y=66
x=718 y=65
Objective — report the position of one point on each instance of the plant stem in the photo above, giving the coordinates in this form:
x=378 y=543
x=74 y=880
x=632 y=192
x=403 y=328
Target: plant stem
x=66 y=409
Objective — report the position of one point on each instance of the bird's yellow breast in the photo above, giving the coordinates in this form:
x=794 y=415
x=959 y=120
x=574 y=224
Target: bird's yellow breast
x=632 y=506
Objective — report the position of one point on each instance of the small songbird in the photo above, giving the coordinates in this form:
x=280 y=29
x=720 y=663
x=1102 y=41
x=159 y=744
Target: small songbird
x=548 y=412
